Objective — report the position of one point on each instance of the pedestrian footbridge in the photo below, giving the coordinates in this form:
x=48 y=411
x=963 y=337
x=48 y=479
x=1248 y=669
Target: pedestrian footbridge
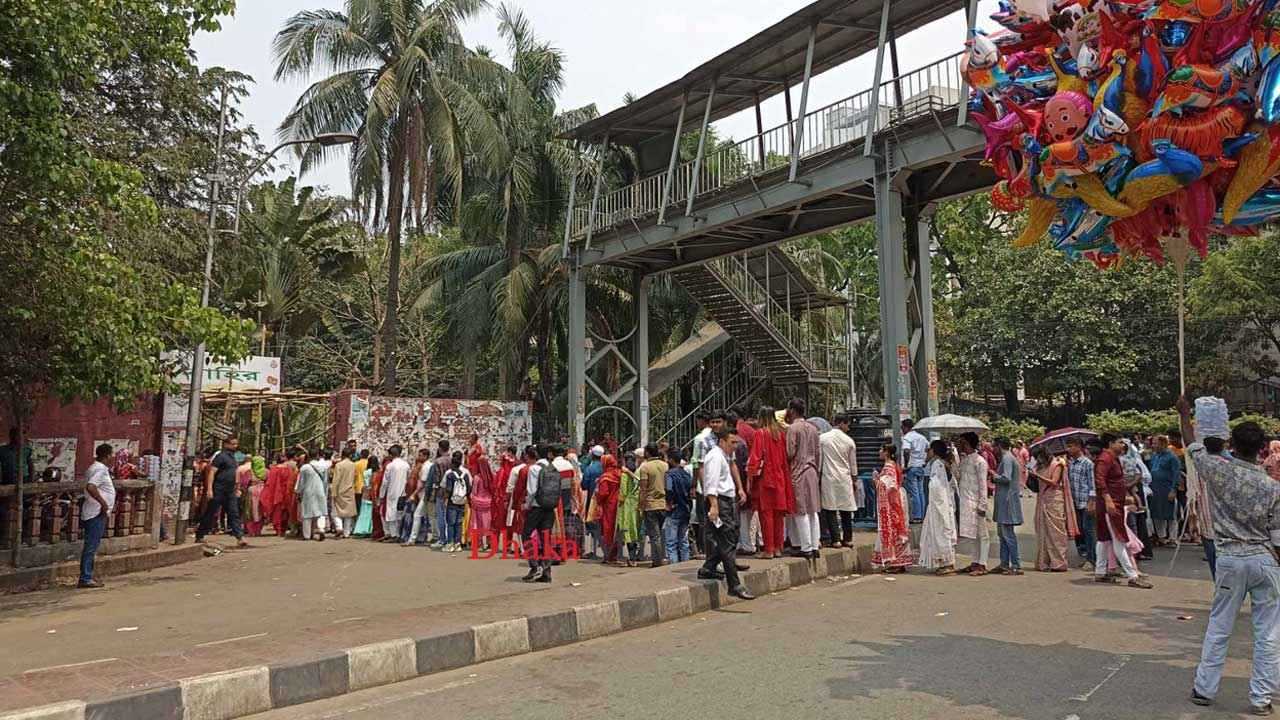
x=715 y=221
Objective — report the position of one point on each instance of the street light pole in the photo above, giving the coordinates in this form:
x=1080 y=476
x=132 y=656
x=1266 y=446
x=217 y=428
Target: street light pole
x=197 y=357
x=197 y=360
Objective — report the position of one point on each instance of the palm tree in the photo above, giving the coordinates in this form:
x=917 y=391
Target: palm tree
x=393 y=75
x=292 y=241
x=513 y=210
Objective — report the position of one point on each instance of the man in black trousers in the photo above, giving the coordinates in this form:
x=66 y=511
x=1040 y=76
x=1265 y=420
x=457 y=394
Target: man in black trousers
x=722 y=518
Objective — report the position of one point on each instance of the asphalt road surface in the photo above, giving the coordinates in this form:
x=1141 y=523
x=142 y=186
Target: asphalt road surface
x=1041 y=646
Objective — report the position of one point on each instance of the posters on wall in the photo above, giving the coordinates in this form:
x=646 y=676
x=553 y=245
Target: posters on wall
x=422 y=422
x=55 y=452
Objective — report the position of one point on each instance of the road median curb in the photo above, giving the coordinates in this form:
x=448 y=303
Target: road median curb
x=250 y=690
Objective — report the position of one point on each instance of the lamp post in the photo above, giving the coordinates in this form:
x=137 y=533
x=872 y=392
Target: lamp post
x=197 y=360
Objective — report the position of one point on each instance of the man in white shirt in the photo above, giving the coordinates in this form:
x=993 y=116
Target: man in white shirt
x=839 y=480
x=394 y=479
x=721 y=522
x=914 y=447
x=99 y=500
x=971 y=484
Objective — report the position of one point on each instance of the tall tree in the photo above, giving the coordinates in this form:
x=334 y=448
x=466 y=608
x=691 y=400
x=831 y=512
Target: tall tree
x=393 y=72
x=79 y=320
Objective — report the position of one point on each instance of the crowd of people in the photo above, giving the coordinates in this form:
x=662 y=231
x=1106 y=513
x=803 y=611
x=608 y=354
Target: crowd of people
x=766 y=484
x=777 y=482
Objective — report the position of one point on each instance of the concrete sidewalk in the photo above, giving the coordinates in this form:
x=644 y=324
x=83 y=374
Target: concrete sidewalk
x=327 y=617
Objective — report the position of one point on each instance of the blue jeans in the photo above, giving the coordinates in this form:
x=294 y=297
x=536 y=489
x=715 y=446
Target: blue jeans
x=93 y=530
x=1258 y=577
x=1087 y=543
x=442 y=527
x=676 y=534
x=453 y=520
x=916 y=496
x=1008 y=546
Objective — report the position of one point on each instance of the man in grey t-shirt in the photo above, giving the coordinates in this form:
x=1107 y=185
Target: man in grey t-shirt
x=1244 y=503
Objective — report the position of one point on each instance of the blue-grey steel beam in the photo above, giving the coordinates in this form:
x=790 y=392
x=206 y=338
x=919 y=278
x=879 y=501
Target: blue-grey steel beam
x=832 y=178
x=568 y=216
x=925 y=362
x=702 y=148
x=798 y=139
x=595 y=192
x=873 y=111
x=891 y=271
x=675 y=155
x=640 y=354
x=577 y=386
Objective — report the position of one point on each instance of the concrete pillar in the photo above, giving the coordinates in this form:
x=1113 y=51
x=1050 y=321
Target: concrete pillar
x=891 y=267
x=640 y=355
x=925 y=363
x=577 y=385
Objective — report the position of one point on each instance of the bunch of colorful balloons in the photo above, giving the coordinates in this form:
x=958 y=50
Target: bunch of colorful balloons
x=1129 y=127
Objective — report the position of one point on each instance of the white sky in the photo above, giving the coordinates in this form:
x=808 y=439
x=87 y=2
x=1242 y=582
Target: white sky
x=610 y=46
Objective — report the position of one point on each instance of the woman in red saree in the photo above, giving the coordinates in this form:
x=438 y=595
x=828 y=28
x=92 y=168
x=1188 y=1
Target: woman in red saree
x=515 y=501
x=893 y=538
x=272 y=504
x=770 y=481
x=481 y=491
x=499 y=514
x=607 y=497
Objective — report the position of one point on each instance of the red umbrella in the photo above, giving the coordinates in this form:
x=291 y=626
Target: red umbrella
x=1055 y=441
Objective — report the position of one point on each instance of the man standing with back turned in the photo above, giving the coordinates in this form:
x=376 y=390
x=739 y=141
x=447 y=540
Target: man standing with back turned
x=1245 y=505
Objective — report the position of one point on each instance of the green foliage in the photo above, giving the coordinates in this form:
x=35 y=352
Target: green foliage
x=80 y=319
x=1061 y=328
x=1016 y=430
x=1236 y=304
x=1269 y=425
x=1133 y=422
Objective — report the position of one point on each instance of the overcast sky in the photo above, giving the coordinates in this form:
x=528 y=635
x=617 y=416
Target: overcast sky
x=610 y=47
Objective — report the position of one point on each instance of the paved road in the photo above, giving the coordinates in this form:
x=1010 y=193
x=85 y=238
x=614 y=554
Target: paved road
x=251 y=595
x=1041 y=646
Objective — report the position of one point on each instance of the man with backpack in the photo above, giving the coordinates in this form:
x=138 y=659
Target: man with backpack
x=457 y=488
x=542 y=496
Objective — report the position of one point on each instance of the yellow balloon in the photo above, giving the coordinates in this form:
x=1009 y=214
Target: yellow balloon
x=1090 y=189
x=1255 y=167
x=1039 y=217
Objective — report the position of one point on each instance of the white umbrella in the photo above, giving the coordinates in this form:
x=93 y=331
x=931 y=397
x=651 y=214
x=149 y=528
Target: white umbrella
x=951 y=424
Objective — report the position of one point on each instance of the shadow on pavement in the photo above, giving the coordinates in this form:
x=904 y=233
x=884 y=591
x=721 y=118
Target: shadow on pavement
x=1026 y=680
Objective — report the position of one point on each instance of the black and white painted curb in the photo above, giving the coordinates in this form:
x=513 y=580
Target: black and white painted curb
x=250 y=690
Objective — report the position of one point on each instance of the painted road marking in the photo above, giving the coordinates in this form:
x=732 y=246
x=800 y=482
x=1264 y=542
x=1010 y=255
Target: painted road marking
x=231 y=640
x=68 y=666
x=1124 y=660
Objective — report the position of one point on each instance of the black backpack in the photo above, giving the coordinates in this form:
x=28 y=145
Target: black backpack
x=547 y=496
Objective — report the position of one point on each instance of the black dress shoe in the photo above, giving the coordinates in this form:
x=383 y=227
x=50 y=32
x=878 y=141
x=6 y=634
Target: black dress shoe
x=814 y=554
x=531 y=575
x=742 y=567
x=711 y=575
x=544 y=577
x=1199 y=699
x=742 y=593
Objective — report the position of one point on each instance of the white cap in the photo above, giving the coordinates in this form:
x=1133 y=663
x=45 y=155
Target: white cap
x=638 y=452
x=597 y=450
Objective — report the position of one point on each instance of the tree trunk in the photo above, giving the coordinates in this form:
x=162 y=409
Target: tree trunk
x=395 y=216
x=1011 y=404
x=468 y=385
